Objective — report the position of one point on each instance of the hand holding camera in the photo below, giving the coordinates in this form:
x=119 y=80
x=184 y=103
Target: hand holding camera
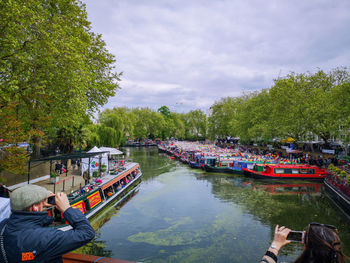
x=60 y=200
x=280 y=237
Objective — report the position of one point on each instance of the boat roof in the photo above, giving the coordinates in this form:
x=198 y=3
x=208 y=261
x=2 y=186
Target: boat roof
x=69 y=156
x=276 y=165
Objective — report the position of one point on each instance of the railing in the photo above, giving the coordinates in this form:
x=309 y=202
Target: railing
x=64 y=182
x=340 y=185
x=74 y=258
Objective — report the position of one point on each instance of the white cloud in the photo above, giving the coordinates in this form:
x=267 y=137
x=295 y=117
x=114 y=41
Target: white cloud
x=188 y=54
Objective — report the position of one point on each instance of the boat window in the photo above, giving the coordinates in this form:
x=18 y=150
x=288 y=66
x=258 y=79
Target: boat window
x=311 y=171
x=250 y=166
x=295 y=171
x=279 y=171
x=287 y=171
x=303 y=171
x=211 y=162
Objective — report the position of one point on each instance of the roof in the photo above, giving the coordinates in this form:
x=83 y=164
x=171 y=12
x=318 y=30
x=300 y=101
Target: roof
x=69 y=156
x=112 y=151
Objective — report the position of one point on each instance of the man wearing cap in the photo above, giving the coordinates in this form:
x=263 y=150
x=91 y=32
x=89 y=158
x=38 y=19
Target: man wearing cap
x=25 y=237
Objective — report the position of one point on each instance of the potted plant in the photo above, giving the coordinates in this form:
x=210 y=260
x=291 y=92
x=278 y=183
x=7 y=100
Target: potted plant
x=103 y=168
x=331 y=167
x=348 y=180
x=95 y=174
x=342 y=176
x=54 y=177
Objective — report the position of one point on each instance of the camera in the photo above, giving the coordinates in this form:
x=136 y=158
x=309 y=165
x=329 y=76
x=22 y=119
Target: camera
x=296 y=236
x=51 y=200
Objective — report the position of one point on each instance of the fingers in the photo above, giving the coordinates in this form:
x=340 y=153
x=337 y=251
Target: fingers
x=62 y=202
x=276 y=229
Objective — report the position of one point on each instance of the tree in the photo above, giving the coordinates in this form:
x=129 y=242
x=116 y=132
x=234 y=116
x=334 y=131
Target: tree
x=165 y=111
x=289 y=99
x=328 y=103
x=52 y=66
x=195 y=124
x=222 y=121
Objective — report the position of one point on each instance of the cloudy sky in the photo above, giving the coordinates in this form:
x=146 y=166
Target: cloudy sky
x=187 y=54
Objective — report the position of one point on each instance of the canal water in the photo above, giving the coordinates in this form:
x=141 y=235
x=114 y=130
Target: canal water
x=179 y=214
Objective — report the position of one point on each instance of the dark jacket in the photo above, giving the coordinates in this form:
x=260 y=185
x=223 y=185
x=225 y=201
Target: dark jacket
x=27 y=234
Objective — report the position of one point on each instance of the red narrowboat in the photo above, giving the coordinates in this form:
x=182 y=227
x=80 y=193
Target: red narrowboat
x=286 y=171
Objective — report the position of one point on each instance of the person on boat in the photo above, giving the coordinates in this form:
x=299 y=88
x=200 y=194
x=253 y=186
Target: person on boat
x=25 y=236
x=321 y=244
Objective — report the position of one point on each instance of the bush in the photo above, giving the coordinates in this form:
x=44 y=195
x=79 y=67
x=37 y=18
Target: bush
x=331 y=167
x=53 y=175
x=342 y=174
x=348 y=180
x=95 y=174
x=337 y=171
x=103 y=167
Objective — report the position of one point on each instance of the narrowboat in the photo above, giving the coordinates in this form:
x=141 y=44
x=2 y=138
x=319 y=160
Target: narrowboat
x=285 y=171
x=228 y=166
x=112 y=188
x=339 y=193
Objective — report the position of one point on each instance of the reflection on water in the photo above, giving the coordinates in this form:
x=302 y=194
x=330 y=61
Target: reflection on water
x=185 y=215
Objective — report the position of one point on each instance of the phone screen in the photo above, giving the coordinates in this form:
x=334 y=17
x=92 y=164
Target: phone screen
x=296 y=236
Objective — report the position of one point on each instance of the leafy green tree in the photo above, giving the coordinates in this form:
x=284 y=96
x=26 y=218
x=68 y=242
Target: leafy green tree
x=222 y=121
x=328 y=103
x=165 y=111
x=289 y=99
x=195 y=124
x=52 y=66
x=252 y=117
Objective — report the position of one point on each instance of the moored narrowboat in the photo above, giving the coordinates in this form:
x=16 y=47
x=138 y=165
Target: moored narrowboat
x=285 y=171
x=339 y=193
x=114 y=187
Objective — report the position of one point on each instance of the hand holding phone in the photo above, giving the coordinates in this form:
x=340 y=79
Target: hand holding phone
x=296 y=236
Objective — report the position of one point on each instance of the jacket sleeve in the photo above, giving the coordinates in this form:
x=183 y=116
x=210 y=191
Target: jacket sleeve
x=61 y=242
x=269 y=257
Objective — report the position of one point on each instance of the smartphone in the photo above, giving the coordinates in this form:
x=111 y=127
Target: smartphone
x=296 y=236
x=51 y=200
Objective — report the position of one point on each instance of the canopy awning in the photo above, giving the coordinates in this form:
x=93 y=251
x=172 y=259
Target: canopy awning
x=112 y=151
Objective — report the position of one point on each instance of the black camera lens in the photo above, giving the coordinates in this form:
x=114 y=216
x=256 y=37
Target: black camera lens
x=51 y=200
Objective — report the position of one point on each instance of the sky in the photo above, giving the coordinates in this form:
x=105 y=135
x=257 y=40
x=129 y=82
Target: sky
x=188 y=54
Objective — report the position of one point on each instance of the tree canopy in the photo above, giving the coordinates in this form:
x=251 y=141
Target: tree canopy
x=53 y=69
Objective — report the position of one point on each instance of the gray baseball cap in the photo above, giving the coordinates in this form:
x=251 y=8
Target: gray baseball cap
x=22 y=198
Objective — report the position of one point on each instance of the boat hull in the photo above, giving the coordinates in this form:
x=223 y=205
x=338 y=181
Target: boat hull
x=338 y=197
x=212 y=169
x=256 y=175
x=195 y=165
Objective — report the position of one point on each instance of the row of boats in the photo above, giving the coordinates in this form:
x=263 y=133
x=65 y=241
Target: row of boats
x=233 y=161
